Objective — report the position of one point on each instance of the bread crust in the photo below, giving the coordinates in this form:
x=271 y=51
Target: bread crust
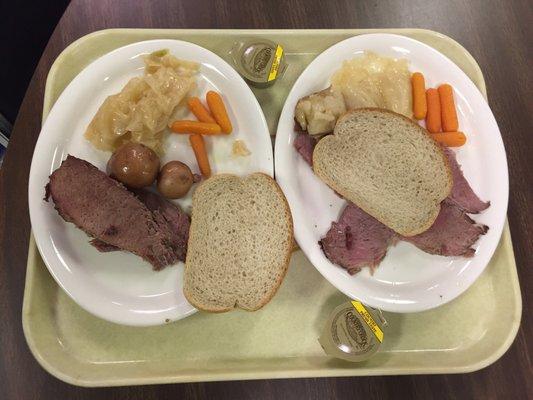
x=285 y=266
x=364 y=207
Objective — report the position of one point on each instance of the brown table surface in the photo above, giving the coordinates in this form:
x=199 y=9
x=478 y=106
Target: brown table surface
x=499 y=36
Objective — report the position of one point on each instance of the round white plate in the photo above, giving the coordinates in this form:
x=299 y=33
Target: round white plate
x=119 y=286
x=407 y=280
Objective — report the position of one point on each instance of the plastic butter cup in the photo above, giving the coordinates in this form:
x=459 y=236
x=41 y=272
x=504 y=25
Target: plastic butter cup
x=354 y=332
x=260 y=62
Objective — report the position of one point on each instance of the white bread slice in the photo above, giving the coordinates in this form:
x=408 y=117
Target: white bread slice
x=387 y=165
x=240 y=243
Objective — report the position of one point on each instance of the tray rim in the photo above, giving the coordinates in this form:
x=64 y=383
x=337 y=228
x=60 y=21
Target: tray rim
x=355 y=31
x=283 y=374
x=232 y=375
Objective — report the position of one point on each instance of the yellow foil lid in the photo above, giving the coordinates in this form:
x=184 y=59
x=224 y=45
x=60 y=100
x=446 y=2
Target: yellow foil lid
x=354 y=332
x=259 y=61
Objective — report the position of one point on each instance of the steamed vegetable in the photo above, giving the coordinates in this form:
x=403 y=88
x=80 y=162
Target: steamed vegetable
x=134 y=164
x=202 y=128
x=433 y=116
x=199 y=111
x=419 y=95
x=216 y=105
x=447 y=109
x=174 y=180
x=198 y=146
x=450 y=139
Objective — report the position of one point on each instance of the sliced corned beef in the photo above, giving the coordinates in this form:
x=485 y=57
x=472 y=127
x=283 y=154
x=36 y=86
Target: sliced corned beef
x=356 y=240
x=171 y=214
x=452 y=234
x=102 y=246
x=107 y=211
x=164 y=212
x=305 y=144
x=359 y=240
x=462 y=194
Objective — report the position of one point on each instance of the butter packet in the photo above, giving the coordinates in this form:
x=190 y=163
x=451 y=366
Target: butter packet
x=259 y=61
x=354 y=332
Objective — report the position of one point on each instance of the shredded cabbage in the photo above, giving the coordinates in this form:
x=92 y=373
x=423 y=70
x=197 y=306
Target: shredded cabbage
x=375 y=81
x=141 y=111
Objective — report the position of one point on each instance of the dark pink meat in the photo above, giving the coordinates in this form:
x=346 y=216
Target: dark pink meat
x=196 y=178
x=103 y=247
x=164 y=212
x=452 y=234
x=359 y=240
x=462 y=194
x=305 y=144
x=169 y=213
x=356 y=240
x=107 y=211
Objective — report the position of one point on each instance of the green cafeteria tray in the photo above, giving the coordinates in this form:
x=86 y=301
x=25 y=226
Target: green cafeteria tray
x=279 y=341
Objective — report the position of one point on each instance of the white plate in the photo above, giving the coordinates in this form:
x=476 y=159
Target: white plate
x=119 y=286
x=408 y=280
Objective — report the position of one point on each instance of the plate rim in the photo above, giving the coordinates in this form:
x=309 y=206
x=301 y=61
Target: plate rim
x=131 y=318
x=500 y=219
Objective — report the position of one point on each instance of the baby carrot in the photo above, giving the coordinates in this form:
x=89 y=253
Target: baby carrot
x=202 y=128
x=199 y=111
x=198 y=146
x=433 y=114
x=216 y=105
x=447 y=109
x=420 y=106
x=450 y=139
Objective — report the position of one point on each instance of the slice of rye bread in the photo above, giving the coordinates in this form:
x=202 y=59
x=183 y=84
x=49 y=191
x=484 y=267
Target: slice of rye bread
x=387 y=165
x=240 y=243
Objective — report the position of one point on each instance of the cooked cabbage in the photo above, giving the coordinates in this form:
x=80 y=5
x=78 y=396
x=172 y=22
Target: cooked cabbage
x=375 y=81
x=239 y=149
x=317 y=113
x=141 y=111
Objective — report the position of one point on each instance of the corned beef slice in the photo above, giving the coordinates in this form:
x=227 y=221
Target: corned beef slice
x=177 y=221
x=452 y=234
x=305 y=144
x=357 y=240
x=462 y=194
x=107 y=211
